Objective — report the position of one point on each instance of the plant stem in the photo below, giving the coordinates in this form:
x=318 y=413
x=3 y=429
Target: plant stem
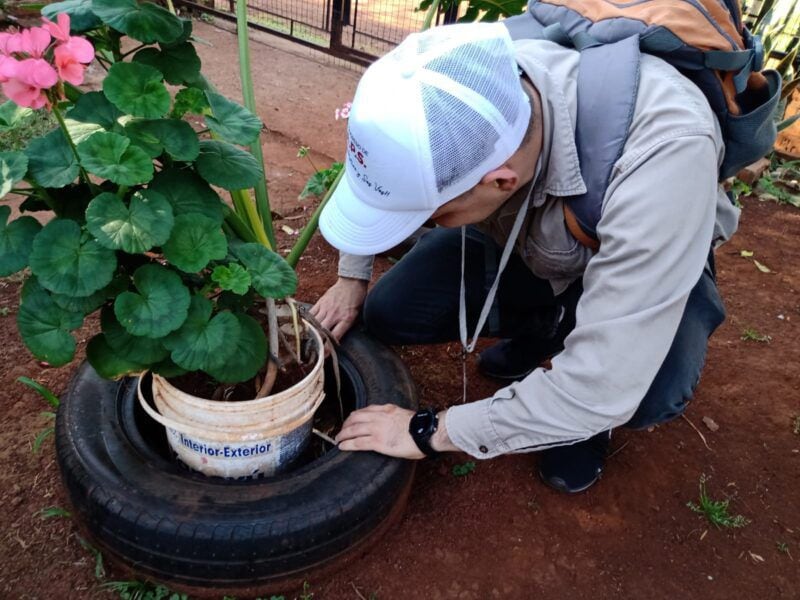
x=311 y=227
x=121 y=191
x=248 y=94
x=237 y=226
x=432 y=11
x=129 y=52
x=245 y=209
x=84 y=175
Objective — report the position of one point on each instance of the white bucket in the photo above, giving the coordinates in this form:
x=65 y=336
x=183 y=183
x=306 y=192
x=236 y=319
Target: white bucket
x=239 y=439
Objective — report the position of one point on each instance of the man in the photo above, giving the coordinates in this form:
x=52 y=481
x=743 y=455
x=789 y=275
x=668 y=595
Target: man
x=464 y=127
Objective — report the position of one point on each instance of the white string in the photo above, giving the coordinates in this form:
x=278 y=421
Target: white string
x=467 y=346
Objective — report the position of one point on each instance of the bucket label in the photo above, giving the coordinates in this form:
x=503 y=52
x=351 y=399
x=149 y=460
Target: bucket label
x=237 y=451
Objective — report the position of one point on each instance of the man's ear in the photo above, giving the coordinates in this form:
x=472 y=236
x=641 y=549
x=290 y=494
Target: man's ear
x=504 y=178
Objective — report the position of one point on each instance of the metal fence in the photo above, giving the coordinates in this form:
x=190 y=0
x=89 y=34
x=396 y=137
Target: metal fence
x=355 y=30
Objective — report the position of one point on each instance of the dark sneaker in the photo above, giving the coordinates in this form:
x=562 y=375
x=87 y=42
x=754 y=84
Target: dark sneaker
x=575 y=468
x=514 y=359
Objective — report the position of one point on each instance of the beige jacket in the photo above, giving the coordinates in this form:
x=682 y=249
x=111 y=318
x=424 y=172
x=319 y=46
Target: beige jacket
x=660 y=214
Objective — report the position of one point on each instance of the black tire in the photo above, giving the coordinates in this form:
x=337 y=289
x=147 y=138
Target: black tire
x=172 y=525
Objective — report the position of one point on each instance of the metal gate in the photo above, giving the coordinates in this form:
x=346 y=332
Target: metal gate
x=356 y=30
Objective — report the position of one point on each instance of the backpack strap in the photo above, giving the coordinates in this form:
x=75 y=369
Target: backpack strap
x=608 y=82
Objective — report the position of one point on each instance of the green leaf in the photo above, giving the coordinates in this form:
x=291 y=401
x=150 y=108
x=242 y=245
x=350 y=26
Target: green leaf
x=167 y=368
x=81 y=17
x=227 y=166
x=136 y=89
x=146 y=22
x=44 y=327
x=272 y=276
x=188 y=193
x=321 y=181
x=51 y=161
x=231 y=121
x=95 y=108
x=16 y=241
x=108 y=363
x=189 y=100
x=195 y=241
x=144 y=223
x=45 y=392
x=249 y=355
x=88 y=304
x=159 y=307
x=175 y=136
x=202 y=342
x=178 y=64
x=112 y=156
x=134 y=348
x=68 y=261
x=13 y=166
x=232 y=277
x=12 y=115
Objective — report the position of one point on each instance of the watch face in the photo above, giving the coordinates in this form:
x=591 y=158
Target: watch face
x=422 y=422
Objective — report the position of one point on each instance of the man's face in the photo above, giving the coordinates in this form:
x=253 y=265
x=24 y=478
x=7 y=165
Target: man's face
x=470 y=207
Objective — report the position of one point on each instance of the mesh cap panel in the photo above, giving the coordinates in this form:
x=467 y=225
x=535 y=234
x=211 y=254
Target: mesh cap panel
x=480 y=66
x=460 y=138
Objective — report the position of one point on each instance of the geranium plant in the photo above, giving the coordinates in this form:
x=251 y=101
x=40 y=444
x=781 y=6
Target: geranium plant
x=139 y=231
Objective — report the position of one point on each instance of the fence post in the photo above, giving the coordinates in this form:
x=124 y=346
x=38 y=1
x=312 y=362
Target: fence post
x=336 y=24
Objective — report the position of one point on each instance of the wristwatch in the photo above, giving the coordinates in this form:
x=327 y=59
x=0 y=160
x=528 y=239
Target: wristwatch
x=422 y=427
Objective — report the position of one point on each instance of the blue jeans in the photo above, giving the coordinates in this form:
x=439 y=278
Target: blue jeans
x=416 y=302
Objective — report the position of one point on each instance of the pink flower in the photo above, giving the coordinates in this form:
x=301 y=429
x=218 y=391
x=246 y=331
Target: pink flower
x=343 y=112
x=79 y=48
x=33 y=42
x=29 y=78
x=59 y=31
x=69 y=69
x=4 y=37
x=8 y=68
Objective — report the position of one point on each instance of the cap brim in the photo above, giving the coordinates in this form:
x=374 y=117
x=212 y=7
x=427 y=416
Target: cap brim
x=355 y=227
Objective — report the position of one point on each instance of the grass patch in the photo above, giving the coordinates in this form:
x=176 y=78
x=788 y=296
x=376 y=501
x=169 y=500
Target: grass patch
x=464 y=470
x=716 y=511
x=751 y=335
x=139 y=590
x=34 y=125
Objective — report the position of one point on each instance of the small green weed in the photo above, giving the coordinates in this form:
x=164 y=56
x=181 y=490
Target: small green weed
x=307 y=593
x=783 y=548
x=716 y=511
x=206 y=18
x=738 y=189
x=140 y=590
x=52 y=400
x=4 y=311
x=796 y=425
x=775 y=189
x=99 y=569
x=464 y=470
x=751 y=335
x=51 y=512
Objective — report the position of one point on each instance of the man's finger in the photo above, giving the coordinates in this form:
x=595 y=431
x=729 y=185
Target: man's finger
x=341 y=328
x=360 y=443
x=354 y=431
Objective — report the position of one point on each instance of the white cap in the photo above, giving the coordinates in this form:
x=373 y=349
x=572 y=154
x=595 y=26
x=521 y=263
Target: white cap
x=428 y=121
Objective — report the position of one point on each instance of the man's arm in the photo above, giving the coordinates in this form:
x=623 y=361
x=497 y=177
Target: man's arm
x=655 y=235
x=339 y=306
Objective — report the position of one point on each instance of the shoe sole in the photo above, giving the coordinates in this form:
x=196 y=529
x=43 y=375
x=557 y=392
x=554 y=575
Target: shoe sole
x=564 y=488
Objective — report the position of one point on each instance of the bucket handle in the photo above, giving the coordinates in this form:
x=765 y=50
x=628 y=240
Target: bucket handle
x=203 y=433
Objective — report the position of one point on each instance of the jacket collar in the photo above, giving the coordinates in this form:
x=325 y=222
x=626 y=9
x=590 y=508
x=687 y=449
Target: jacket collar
x=560 y=174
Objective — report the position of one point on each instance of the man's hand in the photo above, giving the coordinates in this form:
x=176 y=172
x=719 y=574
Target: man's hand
x=384 y=428
x=338 y=308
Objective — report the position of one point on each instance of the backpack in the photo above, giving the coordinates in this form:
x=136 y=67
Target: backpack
x=704 y=39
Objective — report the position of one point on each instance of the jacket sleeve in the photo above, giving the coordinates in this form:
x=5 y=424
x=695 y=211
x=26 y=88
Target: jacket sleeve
x=354 y=266
x=655 y=234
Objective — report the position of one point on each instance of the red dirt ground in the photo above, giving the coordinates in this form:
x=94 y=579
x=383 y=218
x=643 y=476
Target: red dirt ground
x=498 y=532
